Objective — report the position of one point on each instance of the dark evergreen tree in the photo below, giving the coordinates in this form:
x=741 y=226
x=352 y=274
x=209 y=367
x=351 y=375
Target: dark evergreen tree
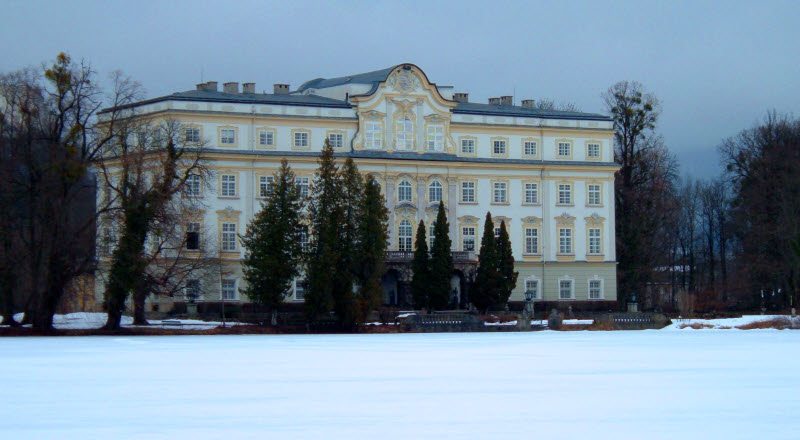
x=371 y=249
x=272 y=241
x=505 y=265
x=326 y=216
x=352 y=199
x=441 y=264
x=420 y=265
x=488 y=281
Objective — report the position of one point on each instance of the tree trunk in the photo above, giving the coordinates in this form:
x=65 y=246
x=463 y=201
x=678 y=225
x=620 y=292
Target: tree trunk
x=139 y=297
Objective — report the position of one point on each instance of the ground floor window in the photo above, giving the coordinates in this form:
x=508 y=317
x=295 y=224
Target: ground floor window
x=565 y=289
x=229 y=290
x=533 y=286
x=595 y=289
x=299 y=289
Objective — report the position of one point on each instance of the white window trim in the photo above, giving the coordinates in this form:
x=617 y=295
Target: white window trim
x=222 y=194
x=538 y=295
x=474 y=200
x=525 y=193
x=572 y=288
x=507 y=192
x=222 y=290
x=571 y=194
x=589 y=288
x=558 y=148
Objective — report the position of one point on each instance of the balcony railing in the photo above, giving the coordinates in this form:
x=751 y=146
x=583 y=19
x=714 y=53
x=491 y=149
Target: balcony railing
x=403 y=256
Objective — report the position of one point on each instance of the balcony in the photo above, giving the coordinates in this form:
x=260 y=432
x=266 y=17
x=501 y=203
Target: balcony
x=406 y=256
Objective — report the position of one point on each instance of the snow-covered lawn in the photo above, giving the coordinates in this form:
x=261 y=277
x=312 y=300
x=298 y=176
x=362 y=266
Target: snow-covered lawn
x=94 y=320
x=571 y=385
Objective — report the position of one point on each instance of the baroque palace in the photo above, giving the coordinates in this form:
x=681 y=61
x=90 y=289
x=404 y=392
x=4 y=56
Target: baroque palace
x=548 y=174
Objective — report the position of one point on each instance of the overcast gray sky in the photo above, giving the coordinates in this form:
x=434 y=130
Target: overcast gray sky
x=716 y=66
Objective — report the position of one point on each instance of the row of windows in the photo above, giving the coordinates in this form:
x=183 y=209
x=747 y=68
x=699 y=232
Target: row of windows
x=265 y=138
x=404 y=135
x=228 y=237
x=229 y=291
x=530 y=148
x=566 y=288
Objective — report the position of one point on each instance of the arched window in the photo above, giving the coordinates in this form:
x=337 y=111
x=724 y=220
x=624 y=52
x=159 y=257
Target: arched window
x=405 y=133
x=404 y=236
x=404 y=191
x=435 y=191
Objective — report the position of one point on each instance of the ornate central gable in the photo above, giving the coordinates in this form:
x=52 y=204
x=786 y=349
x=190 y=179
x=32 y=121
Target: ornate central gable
x=405 y=113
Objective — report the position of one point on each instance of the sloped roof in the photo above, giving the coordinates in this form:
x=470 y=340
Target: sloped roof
x=374 y=77
x=475 y=108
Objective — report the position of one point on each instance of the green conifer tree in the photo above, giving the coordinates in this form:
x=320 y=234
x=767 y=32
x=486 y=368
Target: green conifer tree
x=371 y=250
x=488 y=280
x=272 y=242
x=420 y=265
x=505 y=265
x=352 y=199
x=441 y=264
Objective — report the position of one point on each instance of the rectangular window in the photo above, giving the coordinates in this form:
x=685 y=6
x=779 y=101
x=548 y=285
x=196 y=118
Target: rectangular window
x=531 y=241
x=373 y=134
x=266 y=138
x=191 y=135
x=304 y=238
x=299 y=289
x=500 y=192
x=302 y=184
x=336 y=140
x=193 y=236
x=594 y=241
x=301 y=139
x=193 y=185
x=229 y=289
x=468 y=146
x=468 y=192
x=229 y=237
x=435 y=141
x=530 y=148
x=595 y=289
x=499 y=147
x=227 y=136
x=192 y=290
x=593 y=194
x=531 y=193
x=564 y=149
x=564 y=194
x=565 y=289
x=266 y=185
x=468 y=238
x=497 y=232
x=430 y=235
x=565 y=241
x=593 y=151
x=228 y=185
x=532 y=286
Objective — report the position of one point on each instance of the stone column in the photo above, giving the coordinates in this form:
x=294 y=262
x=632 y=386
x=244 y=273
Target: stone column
x=420 y=133
x=452 y=211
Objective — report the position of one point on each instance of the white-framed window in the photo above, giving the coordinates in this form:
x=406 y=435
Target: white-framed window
x=593 y=194
x=468 y=192
x=499 y=192
x=564 y=194
x=301 y=139
x=404 y=236
x=302 y=185
x=431 y=235
x=593 y=151
x=229 y=237
x=404 y=191
x=228 y=185
x=499 y=147
x=227 y=136
x=565 y=289
x=435 y=140
x=193 y=236
x=336 y=140
x=435 y=191
x=565 y=240
x=595 y=247
x=497 y=232
x=266 y=184
x=404 y=132
x=304 y=243
x=532 y=284
x=531 y=241
x=266 y=138
x=564 y=149
x=229 y=289
x=193 y=185
x=531 y=193
x=373 y=134
x=595 y=289
x=468 y=238
x=530 y=148
x=468 y=146
x=192 y=290
x=299 y=289
x=191 y=135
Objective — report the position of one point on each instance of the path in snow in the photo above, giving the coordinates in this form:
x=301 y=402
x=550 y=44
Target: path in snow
x=648 y=384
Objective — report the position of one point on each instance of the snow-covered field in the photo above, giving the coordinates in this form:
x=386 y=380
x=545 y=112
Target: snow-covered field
x=571 y=385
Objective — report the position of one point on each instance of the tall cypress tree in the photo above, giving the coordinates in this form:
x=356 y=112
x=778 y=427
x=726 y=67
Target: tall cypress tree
x=505 y=265
x=272 y=241
x=352 y=199
x=488 y=280
x=326 y=216
x=420 y=265
x=441 y=265
x=371 y=249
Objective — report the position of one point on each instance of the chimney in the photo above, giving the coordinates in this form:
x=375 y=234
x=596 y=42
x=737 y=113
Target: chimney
x=494 y=101
x=231 y=87
x=461 y=97
x=506 y=100
x=248 y=87
x=280 y=89
x=529 y=103
x=211 y=86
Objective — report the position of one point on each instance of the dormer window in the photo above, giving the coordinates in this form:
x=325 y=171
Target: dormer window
x=435 y=141
x=373 y=134
x=404 y=131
